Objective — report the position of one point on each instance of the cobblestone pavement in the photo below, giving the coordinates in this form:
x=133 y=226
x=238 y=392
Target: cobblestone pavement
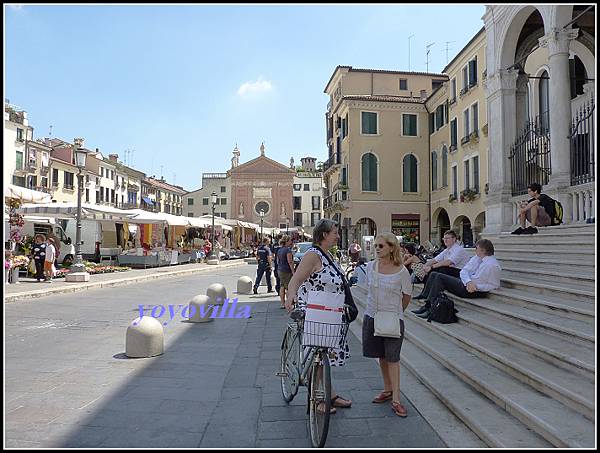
x=68 y=383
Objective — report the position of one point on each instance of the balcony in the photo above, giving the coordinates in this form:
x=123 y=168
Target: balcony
x=465 y=140
x=331 y=162
x=128 y=205
x=43 y=189
x=44 y=169
x=474 y=136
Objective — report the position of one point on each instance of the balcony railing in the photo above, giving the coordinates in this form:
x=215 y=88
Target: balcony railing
x=582 y=134
x=335 y=159
x=128 y=205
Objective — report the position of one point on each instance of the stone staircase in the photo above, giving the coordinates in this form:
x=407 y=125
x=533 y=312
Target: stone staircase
x=519 y=367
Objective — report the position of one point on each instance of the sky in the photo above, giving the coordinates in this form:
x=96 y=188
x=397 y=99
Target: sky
x=178 y=86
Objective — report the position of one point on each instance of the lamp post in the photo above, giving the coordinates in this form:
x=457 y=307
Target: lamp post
x=262 y=216
x=213 y=259
x=77 y=272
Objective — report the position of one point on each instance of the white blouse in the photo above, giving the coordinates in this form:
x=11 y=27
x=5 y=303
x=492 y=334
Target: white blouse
x=391 y=288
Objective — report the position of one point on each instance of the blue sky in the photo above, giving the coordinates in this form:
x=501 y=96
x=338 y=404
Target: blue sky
x=181 y=85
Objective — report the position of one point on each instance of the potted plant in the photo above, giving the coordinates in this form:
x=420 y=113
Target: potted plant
x=468 y=195
x=451 y=198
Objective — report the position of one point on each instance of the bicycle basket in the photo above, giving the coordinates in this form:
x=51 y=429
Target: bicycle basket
x=319 y=334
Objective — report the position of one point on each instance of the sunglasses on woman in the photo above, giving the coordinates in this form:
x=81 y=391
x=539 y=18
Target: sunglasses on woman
x=379 y=246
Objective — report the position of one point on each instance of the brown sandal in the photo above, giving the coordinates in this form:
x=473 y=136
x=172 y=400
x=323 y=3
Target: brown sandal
x=321 y=408
x=338 y=397
x=383 y=397
x=399 y=409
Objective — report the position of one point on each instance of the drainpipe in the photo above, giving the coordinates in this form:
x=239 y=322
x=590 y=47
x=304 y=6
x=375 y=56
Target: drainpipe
x=429 y=172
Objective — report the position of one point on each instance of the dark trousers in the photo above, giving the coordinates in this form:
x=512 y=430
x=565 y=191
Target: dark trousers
x=439 y=282
x=277 y=282
x=262 y=268
x=453 y=271
x=39 y=269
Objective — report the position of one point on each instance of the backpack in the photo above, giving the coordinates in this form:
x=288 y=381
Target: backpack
x=557 y=218
x=442 y=310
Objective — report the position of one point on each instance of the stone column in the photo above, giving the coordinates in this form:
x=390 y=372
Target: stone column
x=557 y=43
x=501 y=105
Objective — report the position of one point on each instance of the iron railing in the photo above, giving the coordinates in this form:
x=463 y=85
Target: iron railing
x=581 y=134
x=530 y=157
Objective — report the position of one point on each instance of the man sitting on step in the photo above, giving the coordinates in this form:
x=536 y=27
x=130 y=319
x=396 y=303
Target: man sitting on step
x=477 y=278
x=449 y=262
x=538 y=210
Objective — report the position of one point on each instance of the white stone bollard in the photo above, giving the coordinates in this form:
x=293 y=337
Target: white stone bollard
x=145 y=338
x=199 y=310
x=244 y=285
x=216 y=294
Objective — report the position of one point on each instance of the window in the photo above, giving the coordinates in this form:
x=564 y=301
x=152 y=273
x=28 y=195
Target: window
x=344 y=126
x=467 y=186
x=409 y=173
x=190 y=214
x=190 y=202
x=102 y=172
x=205 y=213
x=223 y=189
x=297 y=186
x=316 y=203
x=297 y=202
x=436 y=83
x=476 y=173
x=453 y=133
x=434 y=170
x=368 y=123
x=431 y=123
x=87 y=195
x=466 y=122
x=369 y=172
x=454 y=181
x=475 y=116
x=223 y=201
x=473 y=72
x=44 y=181
x=68 y=180
x=439 y=116
x=444 y=166
x=19 y=161
x=403 y=84
x=316 y=187
x=98 y=196
x=297 y=219
x=20 y=134
x=453 y=90
x=344 y=180
x=307 y=187
x=314 y=218
x=465 y=79
x=112 y=195
x=409 y=125
x=205 y=201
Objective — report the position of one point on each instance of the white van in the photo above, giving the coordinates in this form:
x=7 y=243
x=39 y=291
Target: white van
x=49 y=228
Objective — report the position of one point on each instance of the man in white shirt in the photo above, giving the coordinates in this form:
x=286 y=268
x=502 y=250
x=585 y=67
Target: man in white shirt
x=477 y=278
x=449 y=262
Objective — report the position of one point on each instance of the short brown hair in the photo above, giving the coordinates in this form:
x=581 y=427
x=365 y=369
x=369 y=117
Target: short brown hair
x=322 y=227
x=40 y=235
x=451 y=233
x=486 y=245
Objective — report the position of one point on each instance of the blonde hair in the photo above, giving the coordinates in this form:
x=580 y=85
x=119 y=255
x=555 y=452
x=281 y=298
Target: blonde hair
x=396 y=253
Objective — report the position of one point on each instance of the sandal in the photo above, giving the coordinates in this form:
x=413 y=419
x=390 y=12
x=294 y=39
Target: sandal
x=399 y=409
x=347 y=404
x=321 y=408
x=383 y=397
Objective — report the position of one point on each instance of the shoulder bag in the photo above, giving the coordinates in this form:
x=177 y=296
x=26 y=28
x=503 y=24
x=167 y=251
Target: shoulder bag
x=387 y=323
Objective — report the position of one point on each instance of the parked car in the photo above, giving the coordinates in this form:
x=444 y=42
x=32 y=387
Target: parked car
x=299 y=250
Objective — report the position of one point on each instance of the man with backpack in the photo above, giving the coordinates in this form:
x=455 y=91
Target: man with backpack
x=480 y=275
x=539 y=210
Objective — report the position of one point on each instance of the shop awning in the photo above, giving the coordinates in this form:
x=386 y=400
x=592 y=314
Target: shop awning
x=148 y=201
x=26 y=195
x=69 y=211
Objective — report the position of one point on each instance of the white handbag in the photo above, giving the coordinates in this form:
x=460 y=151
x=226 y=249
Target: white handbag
x=387 y=323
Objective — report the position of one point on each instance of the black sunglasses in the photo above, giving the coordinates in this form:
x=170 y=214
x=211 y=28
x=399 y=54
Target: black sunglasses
x=379 y=246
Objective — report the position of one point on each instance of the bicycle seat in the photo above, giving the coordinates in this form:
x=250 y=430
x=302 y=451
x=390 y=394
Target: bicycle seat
x=297 y=314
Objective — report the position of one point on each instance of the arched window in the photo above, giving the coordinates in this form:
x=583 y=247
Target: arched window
x=434 y=171
x=369 y=172
x=444 y=166
x=544 y=102
x=409 y=173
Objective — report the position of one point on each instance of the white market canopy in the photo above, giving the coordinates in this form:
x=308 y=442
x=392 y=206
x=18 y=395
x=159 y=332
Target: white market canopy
x=69 y=211
x=26 y=195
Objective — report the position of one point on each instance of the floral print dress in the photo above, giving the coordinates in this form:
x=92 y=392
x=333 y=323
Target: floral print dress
x=327 y=279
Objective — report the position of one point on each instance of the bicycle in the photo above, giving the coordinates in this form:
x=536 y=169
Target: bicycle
x=308 y=365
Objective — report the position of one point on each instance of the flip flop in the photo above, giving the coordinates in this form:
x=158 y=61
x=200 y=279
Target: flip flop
x=338 y=397
x=383 y=397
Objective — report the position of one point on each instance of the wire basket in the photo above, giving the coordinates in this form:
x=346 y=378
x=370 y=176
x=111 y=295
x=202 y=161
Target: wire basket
x=324 y=335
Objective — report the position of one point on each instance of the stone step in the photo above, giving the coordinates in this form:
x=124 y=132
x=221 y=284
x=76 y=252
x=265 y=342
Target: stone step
x=494 y=426
x=583 y=311
x=552 y=245
x=546 y=253
x=558 y=264
x=569 y=388
x=555 y=290
x=567 y=278
x=572 y=356
x=561 y=229
x=546 y=239
x=574 y=330
x=551 y=419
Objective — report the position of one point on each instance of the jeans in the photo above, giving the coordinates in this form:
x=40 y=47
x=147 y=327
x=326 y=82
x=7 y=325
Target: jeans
x=439 y=282
x=453 y=271
x=262 y=268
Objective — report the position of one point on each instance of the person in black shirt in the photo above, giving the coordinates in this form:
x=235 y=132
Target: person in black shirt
x=264 y=259
x=538 y=210
x=39 y=256
x=275 y=248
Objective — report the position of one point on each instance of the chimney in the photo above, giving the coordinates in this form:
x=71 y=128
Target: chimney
x=423 y=95
x=113 y=157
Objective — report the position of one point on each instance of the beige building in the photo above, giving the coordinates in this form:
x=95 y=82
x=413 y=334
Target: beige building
x=166 y=197
x=197 y=202
x=17 y=133
x=459 y=146
x=307 y=203
x=377 y=173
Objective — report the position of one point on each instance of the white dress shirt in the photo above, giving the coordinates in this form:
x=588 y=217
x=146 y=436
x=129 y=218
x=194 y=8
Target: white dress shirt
x=484 y=272
x=457 y=254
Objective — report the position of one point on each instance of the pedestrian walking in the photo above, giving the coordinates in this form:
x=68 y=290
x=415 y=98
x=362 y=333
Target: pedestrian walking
x=275 y=248
x=389 y=293
x=39 y=256
x=264 y=259
x=49 y=260
x=285 y=264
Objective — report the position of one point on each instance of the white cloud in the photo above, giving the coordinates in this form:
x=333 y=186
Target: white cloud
x=15 y=6
x=254 y=88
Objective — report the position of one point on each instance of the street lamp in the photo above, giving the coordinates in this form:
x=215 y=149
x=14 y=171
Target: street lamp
x=262 y=216
x=77 y=271
x=213 y=201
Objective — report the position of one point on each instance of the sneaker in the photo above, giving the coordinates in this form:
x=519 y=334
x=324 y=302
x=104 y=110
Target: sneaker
x=518 y=231
x=255 y=291
x=530 y=230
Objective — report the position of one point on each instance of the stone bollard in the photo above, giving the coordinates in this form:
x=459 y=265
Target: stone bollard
x=244 y=285
x=199 y=310
x=145 y=338
x=216 y=294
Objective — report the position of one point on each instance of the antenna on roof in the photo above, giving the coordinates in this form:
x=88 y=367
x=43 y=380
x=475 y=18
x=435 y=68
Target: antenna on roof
x=161 y=172
x=427 y=53
x=447 y=48
x=409 y=51
x=50 y=132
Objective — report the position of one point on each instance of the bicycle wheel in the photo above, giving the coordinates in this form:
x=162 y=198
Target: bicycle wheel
x=320 y=400
x=290 y=354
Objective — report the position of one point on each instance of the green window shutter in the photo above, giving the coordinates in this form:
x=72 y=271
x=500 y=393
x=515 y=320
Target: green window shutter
x=476 y=173
x=409 y=174
x=369 y=172
x=434 y=171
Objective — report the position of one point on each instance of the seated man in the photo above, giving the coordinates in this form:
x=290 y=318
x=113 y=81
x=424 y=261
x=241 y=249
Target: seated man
x=478 y=277
x=449 y=262
x=539 y=210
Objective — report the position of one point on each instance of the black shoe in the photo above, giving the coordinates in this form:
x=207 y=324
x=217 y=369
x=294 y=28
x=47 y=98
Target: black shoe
x=255 y=291
x=270 y=291
x=425 y=314
x=419 y=297
x=518 y=231
x=530 y=230
x=423 y=309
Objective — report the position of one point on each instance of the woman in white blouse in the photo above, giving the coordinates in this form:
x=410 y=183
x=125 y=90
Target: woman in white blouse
x=391 y=293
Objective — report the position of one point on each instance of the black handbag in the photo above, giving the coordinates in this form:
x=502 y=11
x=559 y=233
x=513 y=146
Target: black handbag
x=351 y=312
